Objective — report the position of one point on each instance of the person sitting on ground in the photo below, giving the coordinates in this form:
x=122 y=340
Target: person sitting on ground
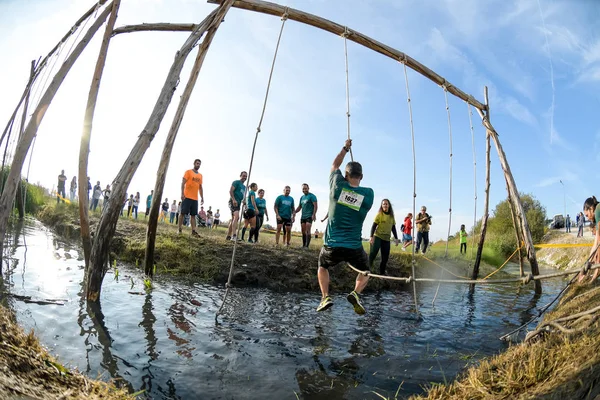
x=308 y=205
x=423 y=222
x=285 y=215
x=463 y=239
x=592 y=212
x=383 y=226
x=191 y=186
x=250 y=213
x=407 y=238
x=236 y=196
x=261 y=210
x=349 y=204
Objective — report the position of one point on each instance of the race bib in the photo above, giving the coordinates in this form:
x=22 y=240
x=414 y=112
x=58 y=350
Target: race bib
x=351 y=199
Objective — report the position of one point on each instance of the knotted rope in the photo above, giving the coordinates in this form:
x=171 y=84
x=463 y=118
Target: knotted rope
x=345 y=36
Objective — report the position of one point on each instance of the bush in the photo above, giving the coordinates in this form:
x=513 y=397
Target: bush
x=36 y=194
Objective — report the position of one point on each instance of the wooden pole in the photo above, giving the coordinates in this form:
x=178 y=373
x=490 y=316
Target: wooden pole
x=163 y=167
x=160 y=26
x=23 y=145
x=486 y=204
x=20 y=195
x=84 y=147
x=110 y=215
x=265 y=7
x=517 y=234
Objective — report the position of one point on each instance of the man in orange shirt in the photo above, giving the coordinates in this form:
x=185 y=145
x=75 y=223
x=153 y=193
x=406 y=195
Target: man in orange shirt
x=190 y=187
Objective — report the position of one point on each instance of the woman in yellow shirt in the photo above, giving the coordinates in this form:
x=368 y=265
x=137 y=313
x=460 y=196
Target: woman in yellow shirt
x=383 y=226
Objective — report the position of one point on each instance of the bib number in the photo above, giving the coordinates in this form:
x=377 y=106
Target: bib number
x=351 y=199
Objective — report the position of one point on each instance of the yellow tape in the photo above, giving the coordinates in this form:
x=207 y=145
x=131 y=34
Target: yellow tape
x=561 y=245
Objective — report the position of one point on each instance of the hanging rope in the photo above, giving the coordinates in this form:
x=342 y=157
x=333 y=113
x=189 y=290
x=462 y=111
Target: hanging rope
x=505 y=262
x=414 y=203
x=474 y=176
x=450 y=190
x=243 y=205
x=345 y=36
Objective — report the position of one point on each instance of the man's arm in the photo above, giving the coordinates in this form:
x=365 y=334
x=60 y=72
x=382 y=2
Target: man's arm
x=316 y=207
x=201 y=194
x=337 y=161
x=183 y=181
x=276 y=210
x=231 y=196
x=298 y=208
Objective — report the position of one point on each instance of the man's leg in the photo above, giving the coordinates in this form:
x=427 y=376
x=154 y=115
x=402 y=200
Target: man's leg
x=303 y=229
x=323 y=276
x=279 y=226
x=425 y=241
x=361 y=283
x=234 y=225
x=289 y=233
x=308 y=229
x=193 y=222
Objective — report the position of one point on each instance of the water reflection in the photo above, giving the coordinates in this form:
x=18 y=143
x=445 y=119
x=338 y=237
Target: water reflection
x=268 y=344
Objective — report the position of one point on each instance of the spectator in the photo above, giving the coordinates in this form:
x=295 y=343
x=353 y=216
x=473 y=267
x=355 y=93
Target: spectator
x=164 y=211
x=407 y=238
x=580 y=222
x=202 y=217
x=60 y=189
x=96 y=196
x=149 y=203
x=236 y=196
x=106 y=196
x=423 y=222
x=173 y=212
x=73 y=188
x=191 y=186
x=136 y=204
x=217 y=220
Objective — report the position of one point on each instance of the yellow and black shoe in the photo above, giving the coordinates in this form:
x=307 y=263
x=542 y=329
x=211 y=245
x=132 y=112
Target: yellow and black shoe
x=325 y=304
x=355 y=301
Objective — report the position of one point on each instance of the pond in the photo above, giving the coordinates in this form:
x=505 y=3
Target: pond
x=267 y=344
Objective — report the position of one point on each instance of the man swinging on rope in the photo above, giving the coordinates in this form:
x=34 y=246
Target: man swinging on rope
x=348 y=206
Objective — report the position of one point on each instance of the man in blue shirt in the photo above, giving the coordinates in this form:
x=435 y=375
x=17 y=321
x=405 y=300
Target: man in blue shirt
x=285 y=215
x=308 y=205
x=349 y=204
x=236 y=195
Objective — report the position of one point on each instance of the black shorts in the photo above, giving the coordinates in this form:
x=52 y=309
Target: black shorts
x=189 y=206
x=216 y=222
x=232 y=208
x=147 y=210
x=331 y=256
x=249 y=214
x=306 y=220
x=284 y=221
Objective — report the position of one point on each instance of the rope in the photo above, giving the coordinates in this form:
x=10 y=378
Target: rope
x=345 y=36
x=528 y=278
x=474 y=176
x=262 y=115
x=450 y=136
x=414 y=205
x=505 y=262
x=586 y=267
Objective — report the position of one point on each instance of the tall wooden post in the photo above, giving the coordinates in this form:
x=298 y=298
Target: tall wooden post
x=14 y=176
x=515 y=199
x=84 y=147
x=486 y=204
x=110 y=215
x=517 y=233
x=161 y=174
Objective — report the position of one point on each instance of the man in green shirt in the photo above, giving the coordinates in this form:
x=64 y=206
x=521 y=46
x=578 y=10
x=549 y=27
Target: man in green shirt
x=308 y=205
x=349 y=204
x=236 y=195
x=285 y=215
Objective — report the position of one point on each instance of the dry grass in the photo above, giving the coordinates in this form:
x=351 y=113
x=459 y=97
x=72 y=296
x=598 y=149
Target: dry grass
x=28 y=371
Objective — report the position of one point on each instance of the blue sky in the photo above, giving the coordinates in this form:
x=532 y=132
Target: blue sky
x=540 y=60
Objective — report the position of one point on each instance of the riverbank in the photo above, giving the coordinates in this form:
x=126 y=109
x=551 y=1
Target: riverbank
x=29 y=372
x=559 y=363
x=207 y=258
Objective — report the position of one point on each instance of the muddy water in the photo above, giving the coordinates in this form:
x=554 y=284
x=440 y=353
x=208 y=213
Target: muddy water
x=268 y=345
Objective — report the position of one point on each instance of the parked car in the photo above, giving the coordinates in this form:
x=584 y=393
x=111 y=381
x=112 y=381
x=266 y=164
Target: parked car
x=558 y=222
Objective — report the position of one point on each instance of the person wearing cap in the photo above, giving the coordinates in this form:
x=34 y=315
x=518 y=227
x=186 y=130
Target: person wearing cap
x=423 y=223
x=349 y=204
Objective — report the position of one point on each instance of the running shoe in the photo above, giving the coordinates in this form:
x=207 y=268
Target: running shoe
x=228 y=238
x=194 y=233
x=355 y=301
x=179 y=230
x=250 y=241
x=325 y=304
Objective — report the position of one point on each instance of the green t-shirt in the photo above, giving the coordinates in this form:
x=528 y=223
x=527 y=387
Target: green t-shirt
x=261 y=204
x=384 y=222
x=249 y=204
x=597 y=216
x=307 y=202
x=463 y=236
x=348 y=208
x=285 y=206
x=238 y=191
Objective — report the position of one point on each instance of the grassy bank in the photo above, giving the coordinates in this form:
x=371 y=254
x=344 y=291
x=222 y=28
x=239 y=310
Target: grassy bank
x=29 y=372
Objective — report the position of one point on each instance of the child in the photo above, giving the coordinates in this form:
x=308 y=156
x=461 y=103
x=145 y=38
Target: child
x=463 y=239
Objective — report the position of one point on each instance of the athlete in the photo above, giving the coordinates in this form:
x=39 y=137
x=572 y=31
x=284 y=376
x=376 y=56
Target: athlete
x=349 y=204
x=191 y=185
x=261 y=208
x=383 y=226
x=236 y=196
x=285 y=215
x=250 y=213
x=308 y=205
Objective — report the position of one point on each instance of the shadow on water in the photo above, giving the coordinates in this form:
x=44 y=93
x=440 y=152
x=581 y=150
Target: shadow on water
x=165 y=341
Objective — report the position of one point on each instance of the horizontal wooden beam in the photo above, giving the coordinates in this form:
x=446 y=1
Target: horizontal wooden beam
x=356 y=37
x=165 y=27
